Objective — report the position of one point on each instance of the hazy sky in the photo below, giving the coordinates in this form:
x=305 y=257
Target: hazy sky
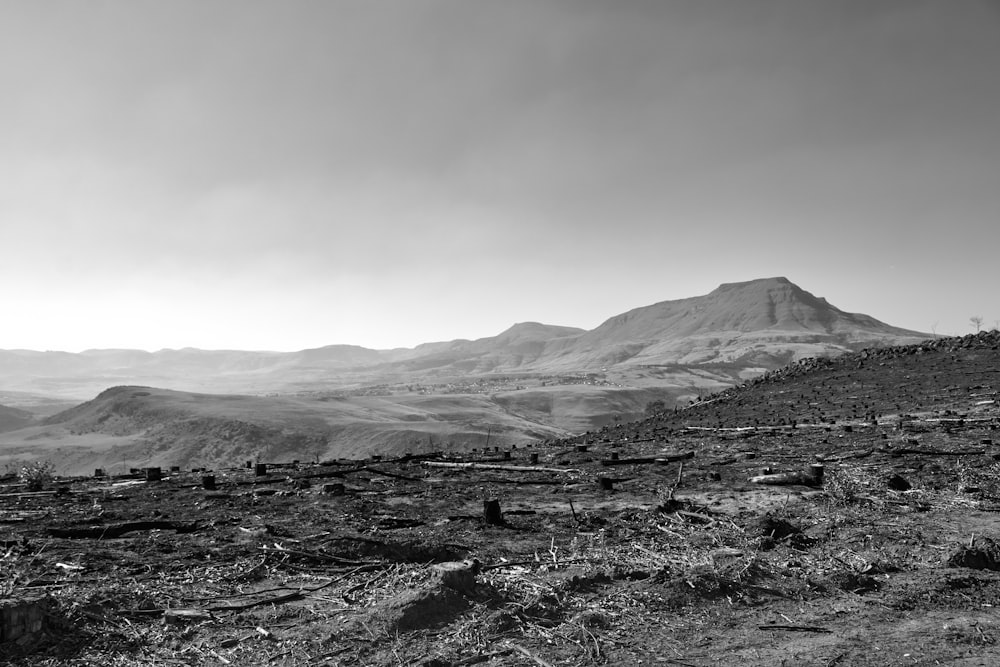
x=291 y=174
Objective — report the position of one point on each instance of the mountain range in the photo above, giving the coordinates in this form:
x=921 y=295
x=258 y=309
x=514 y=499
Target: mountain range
x=533 y=381
x=755 y=325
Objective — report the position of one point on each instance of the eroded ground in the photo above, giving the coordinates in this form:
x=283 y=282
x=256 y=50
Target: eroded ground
x=889 y=560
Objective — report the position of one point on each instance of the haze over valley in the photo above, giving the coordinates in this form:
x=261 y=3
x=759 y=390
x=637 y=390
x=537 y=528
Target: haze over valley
x=131 y=408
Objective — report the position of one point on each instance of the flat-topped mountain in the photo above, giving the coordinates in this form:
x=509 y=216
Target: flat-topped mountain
x=767 y=305
x=764 y=323
x=755 y=325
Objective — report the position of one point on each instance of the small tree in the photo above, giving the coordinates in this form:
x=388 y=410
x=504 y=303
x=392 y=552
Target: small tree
x=977 y=321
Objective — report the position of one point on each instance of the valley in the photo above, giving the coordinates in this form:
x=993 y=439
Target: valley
x=531 y=383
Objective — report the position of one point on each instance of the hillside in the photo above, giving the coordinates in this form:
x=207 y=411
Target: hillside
x=939 y=380
x=839 y=511
x=762 y=323
x=12 y=419
x=128 y=427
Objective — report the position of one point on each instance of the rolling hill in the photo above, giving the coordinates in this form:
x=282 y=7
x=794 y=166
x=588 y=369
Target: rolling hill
x=756 y=325
x=12 y=419
x=131 y=426
x=531 y=382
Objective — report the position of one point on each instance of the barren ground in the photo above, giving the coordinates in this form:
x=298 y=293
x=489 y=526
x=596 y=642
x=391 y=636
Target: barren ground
x=678 y=563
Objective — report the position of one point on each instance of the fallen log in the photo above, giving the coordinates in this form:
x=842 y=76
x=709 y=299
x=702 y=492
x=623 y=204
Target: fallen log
x=853 y=454
x=619 y=443
x=795 y=628
x=637 y=460
x=812 y=477
x=278 y=599
x=495 y=466
x=324 y=474
x=900 y=451
x=393 y=475
x=117 y=530
x=675 y=456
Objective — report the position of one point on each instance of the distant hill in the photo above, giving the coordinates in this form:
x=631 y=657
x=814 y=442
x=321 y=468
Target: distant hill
x=132 y=426
x=12 y=419
x=757 y=325
x=533 y=381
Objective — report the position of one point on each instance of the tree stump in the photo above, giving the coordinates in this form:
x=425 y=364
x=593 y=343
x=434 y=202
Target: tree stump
x=492 y=513
x=816 y=470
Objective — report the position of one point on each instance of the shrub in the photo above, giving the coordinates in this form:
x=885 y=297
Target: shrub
x=36 y=475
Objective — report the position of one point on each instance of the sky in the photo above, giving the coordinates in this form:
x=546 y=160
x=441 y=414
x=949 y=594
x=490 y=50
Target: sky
x=281 y=175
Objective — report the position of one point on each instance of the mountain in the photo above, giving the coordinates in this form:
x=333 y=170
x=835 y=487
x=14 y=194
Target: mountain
x=764 y=323
x=533 y=381
x=751 y=327
x=759 y=324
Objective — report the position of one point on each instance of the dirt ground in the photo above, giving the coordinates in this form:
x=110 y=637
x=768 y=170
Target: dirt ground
x=643 y=544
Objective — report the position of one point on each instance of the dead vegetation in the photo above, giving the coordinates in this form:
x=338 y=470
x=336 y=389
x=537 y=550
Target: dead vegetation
x=892 y=558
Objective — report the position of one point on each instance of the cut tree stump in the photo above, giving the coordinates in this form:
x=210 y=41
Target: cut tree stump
x=23 y=620
x=492 y=513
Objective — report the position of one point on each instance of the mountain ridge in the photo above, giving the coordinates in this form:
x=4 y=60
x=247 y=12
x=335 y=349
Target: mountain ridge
x=530 y=382
x=759 y=324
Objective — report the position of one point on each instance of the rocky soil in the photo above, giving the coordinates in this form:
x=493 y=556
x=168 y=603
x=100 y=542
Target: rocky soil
x=870 y=535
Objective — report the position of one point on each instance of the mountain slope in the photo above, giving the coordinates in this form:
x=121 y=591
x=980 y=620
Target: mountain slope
x=764 y=323
x=937 y=382
x=149 y=426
